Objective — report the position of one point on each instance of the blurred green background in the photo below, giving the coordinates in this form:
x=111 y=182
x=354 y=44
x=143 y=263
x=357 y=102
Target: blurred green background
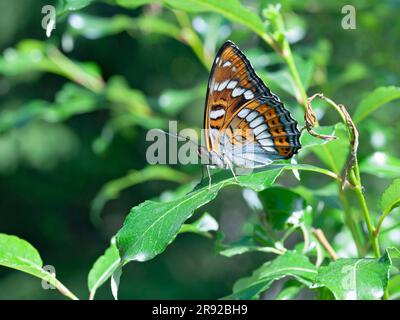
x=67 y=128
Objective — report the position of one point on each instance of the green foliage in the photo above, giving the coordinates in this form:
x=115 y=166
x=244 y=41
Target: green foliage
x=374 y=100
x=356 y=279
x=72 y=129
x=103 y=268
x=18 y=254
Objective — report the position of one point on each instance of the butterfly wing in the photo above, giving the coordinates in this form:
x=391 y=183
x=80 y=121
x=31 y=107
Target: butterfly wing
x=260 y=132
x=243 y=114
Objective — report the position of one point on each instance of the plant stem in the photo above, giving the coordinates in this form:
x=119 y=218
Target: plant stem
x=353 y=226
x=365 y=211
x=288 y=57
x=319 y=234
x=61 y=288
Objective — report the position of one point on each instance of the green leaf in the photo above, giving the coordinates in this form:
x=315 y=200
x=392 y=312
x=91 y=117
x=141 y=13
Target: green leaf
x=374 y=100
x=152 y=225
x=244 y=245
x=394 y=255
x=291 y=264
x=282 y=206
x=391 y=197
x=115 y=277
x=36 y=56
x=66 y=6
x=202 y=226
x=381 y=164
x=334 y=152
x=231 y=9
x=94 y=27
x=70 y=100
x=290 y=290
x=20 y=255
x=103 y=268
x=131 y=4
x=356 y=279
x=308 y=141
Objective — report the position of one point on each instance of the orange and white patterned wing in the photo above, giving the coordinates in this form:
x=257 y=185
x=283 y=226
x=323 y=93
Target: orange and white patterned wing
x=242 y=113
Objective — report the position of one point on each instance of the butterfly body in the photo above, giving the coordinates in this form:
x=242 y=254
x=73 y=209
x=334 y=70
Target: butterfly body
x=246 y=125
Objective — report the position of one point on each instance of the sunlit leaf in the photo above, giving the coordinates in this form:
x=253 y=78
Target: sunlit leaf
x=152 y=225
x=20 y=255
x=374 y=100
x=202 y=226
x=66 y=6
x=230 y=9
x=356 y=279
x=133 y=3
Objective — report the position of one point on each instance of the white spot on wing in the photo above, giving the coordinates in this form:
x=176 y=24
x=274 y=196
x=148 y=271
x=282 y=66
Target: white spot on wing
x=260 y=129
x=223 y=85
x=227 y=64
x=269 y=149
x=215 y=114
x=249 y=94
x=237 y=92
x=263 y=135
x=251 y=116
x=256 y=122
x=243 y=113
x=266 y=142
x=216 y=84
x=232 y=84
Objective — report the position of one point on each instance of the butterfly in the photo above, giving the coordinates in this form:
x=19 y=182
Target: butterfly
x=245 y=124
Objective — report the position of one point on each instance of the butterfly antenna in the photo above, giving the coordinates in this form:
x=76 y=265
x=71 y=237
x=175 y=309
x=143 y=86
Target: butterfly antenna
x=176 y=135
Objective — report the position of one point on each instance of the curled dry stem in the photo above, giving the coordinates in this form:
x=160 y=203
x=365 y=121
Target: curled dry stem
x=311 y=119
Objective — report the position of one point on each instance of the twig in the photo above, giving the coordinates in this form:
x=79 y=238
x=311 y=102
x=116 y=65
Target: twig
x=319 y=234
x=352 y=157
x=311 y=119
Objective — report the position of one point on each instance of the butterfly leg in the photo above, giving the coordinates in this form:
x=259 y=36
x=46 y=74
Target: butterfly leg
x=231 y=168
